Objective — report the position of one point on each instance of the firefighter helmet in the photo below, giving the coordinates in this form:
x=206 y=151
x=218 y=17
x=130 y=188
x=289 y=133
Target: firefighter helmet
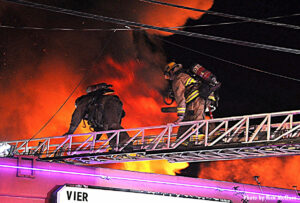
x=100 y=86
x=171 y=67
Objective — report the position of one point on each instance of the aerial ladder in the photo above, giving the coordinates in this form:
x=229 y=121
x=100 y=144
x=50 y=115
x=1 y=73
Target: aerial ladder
x=240 y=137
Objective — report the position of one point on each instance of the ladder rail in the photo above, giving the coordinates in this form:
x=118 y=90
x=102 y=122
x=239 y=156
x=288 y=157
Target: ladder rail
x=248 y=129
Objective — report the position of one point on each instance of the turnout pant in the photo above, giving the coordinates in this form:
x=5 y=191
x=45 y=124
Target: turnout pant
x=194 y=111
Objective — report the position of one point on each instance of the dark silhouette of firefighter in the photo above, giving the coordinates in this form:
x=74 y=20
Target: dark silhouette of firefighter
x=193 y=92
x=102 y=109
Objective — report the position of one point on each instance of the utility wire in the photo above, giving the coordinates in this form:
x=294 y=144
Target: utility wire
x=238 y=22
x=76 y=87
x=236 y=64
x=135 y=24
x=225 y=15
x=66 y=29
x=172 y=43
x=132 y=29
x=79 y=83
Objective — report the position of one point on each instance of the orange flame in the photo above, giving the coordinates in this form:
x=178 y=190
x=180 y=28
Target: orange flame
x=141 y=103
x=156 y=166
x=36 y=98
x=142 y=106
x=273 y=172
x=34 y=94
x=165 y=16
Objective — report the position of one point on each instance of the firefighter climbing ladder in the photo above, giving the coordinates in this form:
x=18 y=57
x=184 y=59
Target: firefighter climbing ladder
x=241 y=137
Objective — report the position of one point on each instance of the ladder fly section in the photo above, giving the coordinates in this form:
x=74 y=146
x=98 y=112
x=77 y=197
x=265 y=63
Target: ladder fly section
x=250 y=136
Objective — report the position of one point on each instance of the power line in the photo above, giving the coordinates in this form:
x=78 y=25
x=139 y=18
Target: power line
x=132 y=29
x=76 y=87
x=239 y=22
x=175 y=44
x=237 y=64
x=225 y=15
x=135 y=24
x=65 y=29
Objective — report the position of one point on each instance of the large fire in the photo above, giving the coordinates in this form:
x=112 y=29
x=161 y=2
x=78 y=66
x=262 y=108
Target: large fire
x=36 y=100
x=35 y=90
x=273 y=172
x=141 y=103
x=157 y=166
x=142 y=106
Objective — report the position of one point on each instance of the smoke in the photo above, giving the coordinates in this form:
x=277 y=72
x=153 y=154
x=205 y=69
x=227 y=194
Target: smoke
x=164 y=16
x=35 y=62
x=40 y=68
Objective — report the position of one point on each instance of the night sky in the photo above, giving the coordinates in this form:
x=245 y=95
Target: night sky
x=24 y=53
x=246 y=91
x=243 y=91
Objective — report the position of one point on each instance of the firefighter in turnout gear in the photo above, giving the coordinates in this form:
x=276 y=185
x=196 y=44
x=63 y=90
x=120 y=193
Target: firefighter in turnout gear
x=186 y=93
x=190 y=95
x=101 y=109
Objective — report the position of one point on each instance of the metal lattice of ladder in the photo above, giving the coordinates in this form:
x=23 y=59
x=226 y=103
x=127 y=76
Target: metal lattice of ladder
x=241 y=137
